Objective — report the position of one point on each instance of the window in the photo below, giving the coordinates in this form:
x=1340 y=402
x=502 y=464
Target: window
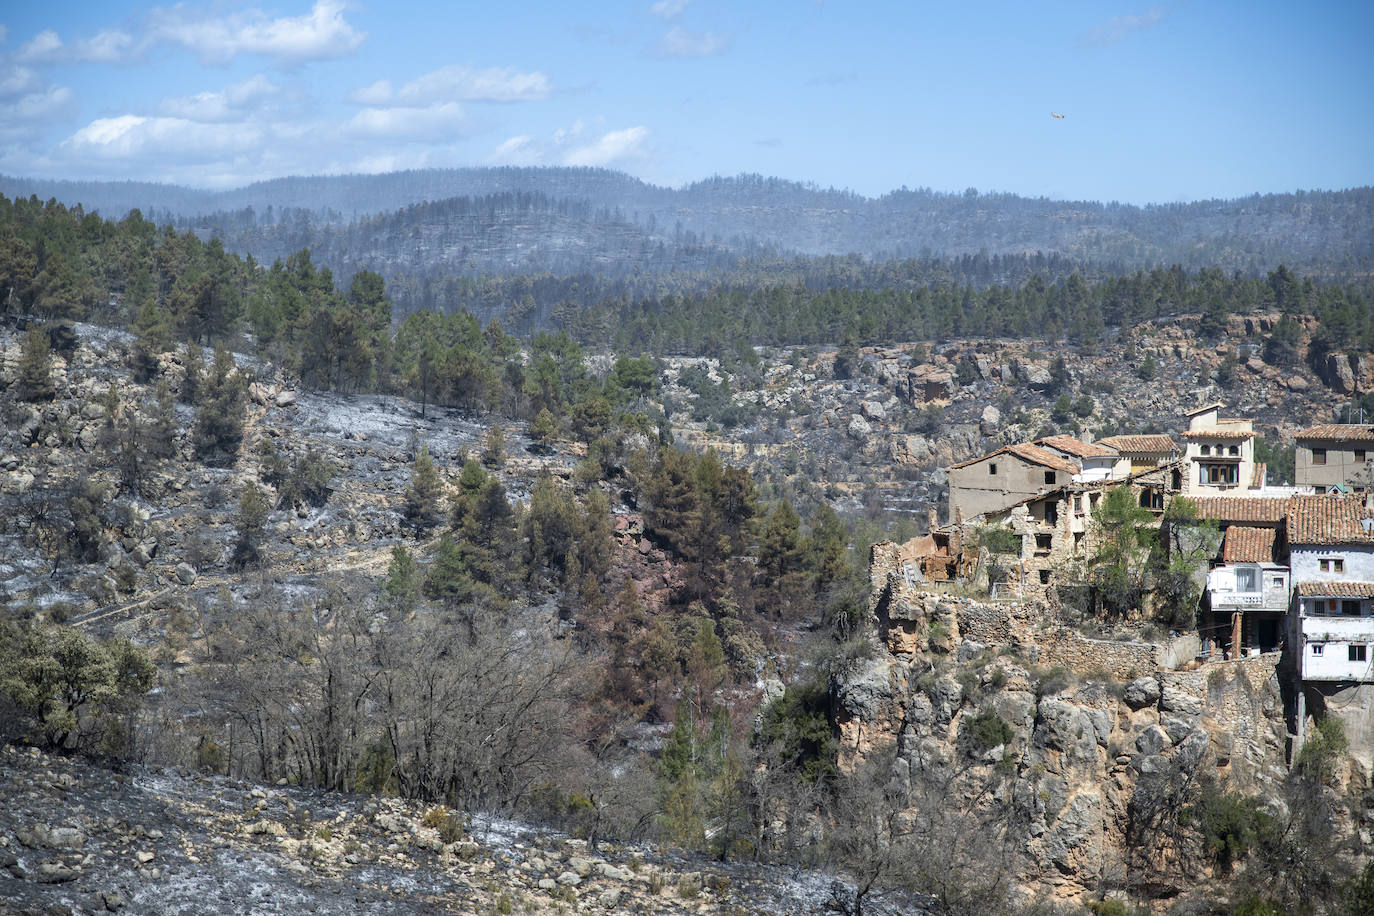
x=1317 y=648
x=1319 y=456
x=1049 y=477
x=1359 y=652
x=1219 y=473
x=1247 y=579
x=1332 y=564
x=1359 y=454
x=1150 y=498
x=1206 y=450
x=992 y=468
x=1043 y=541
x=1045 y=580
x=1350 y=608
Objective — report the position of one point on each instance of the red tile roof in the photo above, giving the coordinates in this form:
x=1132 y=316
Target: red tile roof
x=1269 y=509
x=1027 y=452
x=1248 y=545
x=1326 y=520
x=1338 y=432
x=1076 y=447
x=1335 y=589
x=1260 y=473
x=1151 y=443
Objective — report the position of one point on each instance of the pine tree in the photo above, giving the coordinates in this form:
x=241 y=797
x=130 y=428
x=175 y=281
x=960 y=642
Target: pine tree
x=421 y=495
x=35 y=373
x=249 y=527
x=220 y=411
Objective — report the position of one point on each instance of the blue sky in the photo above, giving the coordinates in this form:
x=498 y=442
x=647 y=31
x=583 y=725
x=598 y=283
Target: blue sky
x=1166 y=102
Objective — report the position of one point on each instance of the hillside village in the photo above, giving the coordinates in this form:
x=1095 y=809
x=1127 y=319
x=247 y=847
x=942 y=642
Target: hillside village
x=1285 y=571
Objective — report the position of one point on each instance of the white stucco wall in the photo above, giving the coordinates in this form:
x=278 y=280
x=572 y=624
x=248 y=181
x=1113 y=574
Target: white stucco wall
x=1305 y=563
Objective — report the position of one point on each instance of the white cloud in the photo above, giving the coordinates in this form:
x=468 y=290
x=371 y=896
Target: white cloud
x=456 y=83
x=37 y=105
x=569 y=146
x=669 y=9
x=322 y=34
x=228 y=105
x=521 y=150
x=129 y=136
x=110 y=46
x=433 y=122
x=681 y=43
x=612 y=147
x=41 y=47
x=1118 y=27
x=16 y=80
x=379 y=93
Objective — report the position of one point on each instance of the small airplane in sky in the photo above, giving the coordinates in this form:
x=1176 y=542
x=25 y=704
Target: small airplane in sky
x=1055 y=114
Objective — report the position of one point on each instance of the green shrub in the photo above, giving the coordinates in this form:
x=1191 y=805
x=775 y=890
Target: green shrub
x=1325 y=746
x=1230 y=825
x=989 y=730
x=1050 y=681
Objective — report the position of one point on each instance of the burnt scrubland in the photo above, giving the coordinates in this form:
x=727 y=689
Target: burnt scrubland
x=269 y=548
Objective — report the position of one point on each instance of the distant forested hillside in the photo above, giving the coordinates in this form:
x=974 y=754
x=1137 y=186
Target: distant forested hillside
x=598 y=222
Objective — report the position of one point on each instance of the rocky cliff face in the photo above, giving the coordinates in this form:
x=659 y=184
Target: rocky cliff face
x=1071 y=756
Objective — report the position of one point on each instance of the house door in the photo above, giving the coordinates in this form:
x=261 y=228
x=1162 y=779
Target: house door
x=1267 y=634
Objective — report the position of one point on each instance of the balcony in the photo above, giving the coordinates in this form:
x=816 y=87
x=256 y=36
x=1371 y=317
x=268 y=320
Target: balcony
x=1338 y=629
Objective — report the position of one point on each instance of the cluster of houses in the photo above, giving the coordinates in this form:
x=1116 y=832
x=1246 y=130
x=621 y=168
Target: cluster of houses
x=1293 y=567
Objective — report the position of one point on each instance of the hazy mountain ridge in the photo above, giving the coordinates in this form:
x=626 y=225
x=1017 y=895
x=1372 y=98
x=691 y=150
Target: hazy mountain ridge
x=1318 y=231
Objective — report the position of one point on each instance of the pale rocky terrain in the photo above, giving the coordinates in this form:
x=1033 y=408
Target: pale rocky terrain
x=76 y=838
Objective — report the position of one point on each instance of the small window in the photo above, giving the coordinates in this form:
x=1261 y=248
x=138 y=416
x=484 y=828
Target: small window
x=1319 y=456
x=1043 y=541
x=1332 y=564
x=1045 y=580
x=1317 y=648
x=1359 y=454
x=1247 y=579
x=1350 y=608
x=1234 y=451
x=992 y=468
x=1359 y=653
x=1049 y=477
x=1206 y=450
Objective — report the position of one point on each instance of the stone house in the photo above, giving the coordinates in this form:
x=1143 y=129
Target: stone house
x=1331 y=552
x=1221 y=453
x=1096 y=461
x=1143 y=451
x=1003 y=478
x=1333 y=455
x=1248 y=591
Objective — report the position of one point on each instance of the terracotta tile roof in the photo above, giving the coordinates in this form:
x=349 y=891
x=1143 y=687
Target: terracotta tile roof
x=1218 y=434
x=1338 y=432
x=1027 y=452
x=1038 y=455
x=1248 y=545
x=1076 y=447
x=1260 y=473
x=1335 y=589
x=1269 y=509
x=1152 y=443
x=1326 y=520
